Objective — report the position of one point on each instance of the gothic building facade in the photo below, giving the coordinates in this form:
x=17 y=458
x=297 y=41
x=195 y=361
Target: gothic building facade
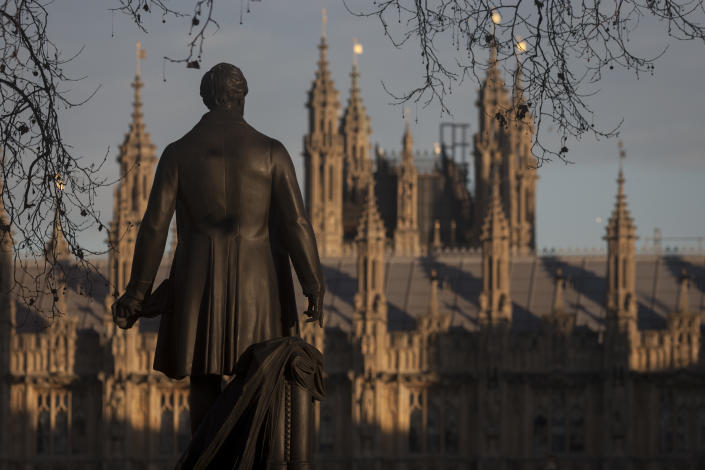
x=449 y=342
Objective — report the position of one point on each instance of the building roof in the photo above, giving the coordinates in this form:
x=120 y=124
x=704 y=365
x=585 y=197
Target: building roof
x=408 y=289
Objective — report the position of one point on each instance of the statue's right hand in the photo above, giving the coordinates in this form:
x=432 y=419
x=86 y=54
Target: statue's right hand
x=126 y=311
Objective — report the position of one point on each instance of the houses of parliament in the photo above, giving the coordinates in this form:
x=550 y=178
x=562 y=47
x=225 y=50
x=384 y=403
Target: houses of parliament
x=449 y=342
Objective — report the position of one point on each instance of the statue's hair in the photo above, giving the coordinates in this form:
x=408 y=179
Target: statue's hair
x=222 y=85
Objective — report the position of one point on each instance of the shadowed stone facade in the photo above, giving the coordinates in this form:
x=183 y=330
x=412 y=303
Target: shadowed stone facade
x=447 y=346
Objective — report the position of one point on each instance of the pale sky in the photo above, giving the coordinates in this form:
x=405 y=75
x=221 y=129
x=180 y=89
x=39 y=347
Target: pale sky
x=276 y=47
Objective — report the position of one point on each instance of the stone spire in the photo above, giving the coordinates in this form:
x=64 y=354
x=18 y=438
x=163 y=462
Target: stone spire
x=495 y=300
x=521 y=207
x=323 y=154
x=406 y=233
x=57 y=249
x=434 y=320
x=137 y=160
x=490 y=142
x=370 y=317
x=433 y=299
x=356 y=130
x=436 y=243
x=558 y=304
x=621 y=304
x=558 y=318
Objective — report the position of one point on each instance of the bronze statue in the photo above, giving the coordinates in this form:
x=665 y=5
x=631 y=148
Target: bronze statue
x=240 y=217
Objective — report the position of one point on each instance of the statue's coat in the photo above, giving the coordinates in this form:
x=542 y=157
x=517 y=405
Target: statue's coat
x=240 y=216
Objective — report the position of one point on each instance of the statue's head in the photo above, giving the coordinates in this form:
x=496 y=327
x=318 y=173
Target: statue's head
x=224 y=86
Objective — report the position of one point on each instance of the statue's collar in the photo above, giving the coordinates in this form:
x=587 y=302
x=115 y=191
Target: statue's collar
x=223 y=114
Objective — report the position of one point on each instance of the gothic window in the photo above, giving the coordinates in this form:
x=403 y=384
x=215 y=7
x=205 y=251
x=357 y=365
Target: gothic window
x=558 y=434
x=540 y=432
x=624 y=273
x=183 y=433
x=43 y=429
x=61 y=431
x=166 y=444
x=451 y=429
x=415 y=430
x=433 y=429
x=701 y=428
x=135 y=193
x=556 y=431
x=78 y=432
x=576 y=433
x=681 y=425
x=175 y=425
x=331 y=183
x=52 y=429
x=326 y=431
x=666 y=429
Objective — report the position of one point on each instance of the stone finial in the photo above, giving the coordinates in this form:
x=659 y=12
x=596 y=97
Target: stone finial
x=437 y=234
x=57 y=249
x=433 y=301
x=558 y=303
x=683 y=305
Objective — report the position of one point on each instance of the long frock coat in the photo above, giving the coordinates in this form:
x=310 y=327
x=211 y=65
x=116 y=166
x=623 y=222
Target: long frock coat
x=240 y=217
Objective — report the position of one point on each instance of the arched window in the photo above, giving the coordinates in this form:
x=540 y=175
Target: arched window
x=624 y=273
x=166 y=433
x=680 y=438
x=433 y=429
x=558 y=431
x=666 y=429
x=183 y=433
x=540 y=433
x=43 y=431
x=331 y=183
x=576 y=433
x=701 y=428
x=78 y=431
x=61 y=432
x=450 y=429
x=415 y=430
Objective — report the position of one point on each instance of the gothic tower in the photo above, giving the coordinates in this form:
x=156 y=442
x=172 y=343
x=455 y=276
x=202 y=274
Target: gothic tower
x=323 y=153
x=355 y=129
x=370 y=325
x=495 y=301
x=621 y=306
x=521 y=207
x=490 y=142
x=57 y=255
x=505 y=139
x=370 y=318
x=137 y=160
x=684 y=328
x=406 y=234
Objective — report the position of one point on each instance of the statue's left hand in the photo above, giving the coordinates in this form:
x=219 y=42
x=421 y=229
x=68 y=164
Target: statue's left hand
x=126 y=311
x=315 y=308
